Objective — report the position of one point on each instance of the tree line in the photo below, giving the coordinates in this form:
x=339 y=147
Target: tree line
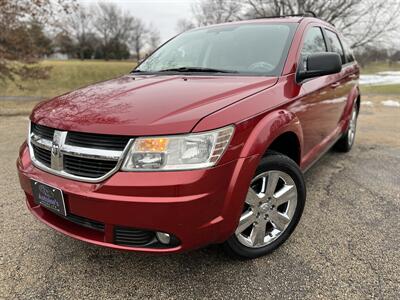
x=104 y=31
x=31 y=30
x=363 y=23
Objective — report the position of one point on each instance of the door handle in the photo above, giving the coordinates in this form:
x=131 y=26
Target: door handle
x=335 y=85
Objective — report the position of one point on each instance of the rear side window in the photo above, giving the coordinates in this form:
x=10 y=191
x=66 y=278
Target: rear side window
x=335 y=44
x=314 y=42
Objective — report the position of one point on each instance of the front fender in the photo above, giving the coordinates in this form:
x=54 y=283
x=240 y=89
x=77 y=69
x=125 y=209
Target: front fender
x=271 y=126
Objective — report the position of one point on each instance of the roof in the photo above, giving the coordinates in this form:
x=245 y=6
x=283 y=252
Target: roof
x=268 y=20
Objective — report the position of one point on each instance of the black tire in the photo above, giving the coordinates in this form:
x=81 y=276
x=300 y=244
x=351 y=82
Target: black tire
x=279 y=162
x=346 y=142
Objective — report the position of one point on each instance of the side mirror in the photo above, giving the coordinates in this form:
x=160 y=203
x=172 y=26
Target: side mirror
x=320 y=64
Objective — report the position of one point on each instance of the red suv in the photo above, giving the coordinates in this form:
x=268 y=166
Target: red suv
x=206 y=141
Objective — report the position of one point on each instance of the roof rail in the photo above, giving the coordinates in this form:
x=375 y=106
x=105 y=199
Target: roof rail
x=307 y=13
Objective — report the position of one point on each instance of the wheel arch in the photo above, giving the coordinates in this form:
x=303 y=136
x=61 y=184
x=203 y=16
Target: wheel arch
x=279 y=131
x=358 y=102
x=353 y=97
x=288 y=144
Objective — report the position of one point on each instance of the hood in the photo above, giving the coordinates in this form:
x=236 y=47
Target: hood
x=146 y=105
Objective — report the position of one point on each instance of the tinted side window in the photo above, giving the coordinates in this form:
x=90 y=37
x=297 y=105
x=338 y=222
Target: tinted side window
x=314 y=42
x=335 y=44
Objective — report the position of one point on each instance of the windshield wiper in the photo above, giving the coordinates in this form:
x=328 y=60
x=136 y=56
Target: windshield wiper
x=139 y=71
x=197 y=69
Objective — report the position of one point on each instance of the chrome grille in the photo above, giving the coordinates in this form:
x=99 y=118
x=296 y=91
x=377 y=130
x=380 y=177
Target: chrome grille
x=43 y=131
x=42 y=155
x=87 y=167
x=99 y=141
x=80 y=156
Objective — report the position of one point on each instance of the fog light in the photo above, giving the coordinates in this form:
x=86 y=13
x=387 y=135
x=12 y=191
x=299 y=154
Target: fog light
x=163 y=238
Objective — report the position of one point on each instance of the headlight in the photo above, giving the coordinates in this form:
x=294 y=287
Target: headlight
x=180 y=152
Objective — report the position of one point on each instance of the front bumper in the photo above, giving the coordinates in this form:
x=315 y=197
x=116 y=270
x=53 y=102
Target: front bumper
x=199 y=207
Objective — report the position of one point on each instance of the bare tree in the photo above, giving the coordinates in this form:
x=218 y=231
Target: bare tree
x=208 y=12
x=22 y=38
x=363 y=22
x=154 y=38
x=112 y=25
x=370 y=54
x=216 y=11
x=138 y=37
x=113 y=29
x=80 y=29
x=184 y=25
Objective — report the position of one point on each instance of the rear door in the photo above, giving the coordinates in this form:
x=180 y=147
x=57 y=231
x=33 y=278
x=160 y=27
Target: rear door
x=342 y=82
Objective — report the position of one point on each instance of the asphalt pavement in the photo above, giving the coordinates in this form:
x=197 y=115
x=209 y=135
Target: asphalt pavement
x=347 y=244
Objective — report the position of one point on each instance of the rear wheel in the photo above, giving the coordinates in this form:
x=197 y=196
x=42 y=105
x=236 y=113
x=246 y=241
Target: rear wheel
x=272 y=209
x=345 y=143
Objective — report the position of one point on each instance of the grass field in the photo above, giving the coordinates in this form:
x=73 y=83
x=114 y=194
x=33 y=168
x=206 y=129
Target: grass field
x=66 y=76
x=376 y=67
x=69 y=75
x=389 y=89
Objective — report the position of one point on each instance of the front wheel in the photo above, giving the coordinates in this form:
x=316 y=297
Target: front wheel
x=272 y=209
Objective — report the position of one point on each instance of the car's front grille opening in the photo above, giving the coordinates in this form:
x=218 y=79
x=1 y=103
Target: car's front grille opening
x=98 y=141
x=77 y=155
x=123 y=236
x=42 y=131
x=87 y=167
x=42 y=155
x=85 y=222
x=81 y=221
x=126 y=236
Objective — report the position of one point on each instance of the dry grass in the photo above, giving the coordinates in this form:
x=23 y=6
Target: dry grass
x=16 y=108
x=66 y=76
x=389 y=89
x=376 y=67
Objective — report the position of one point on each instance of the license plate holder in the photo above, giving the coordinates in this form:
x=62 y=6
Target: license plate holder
x=49 y=197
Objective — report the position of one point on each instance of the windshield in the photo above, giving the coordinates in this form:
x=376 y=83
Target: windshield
x=252 y=49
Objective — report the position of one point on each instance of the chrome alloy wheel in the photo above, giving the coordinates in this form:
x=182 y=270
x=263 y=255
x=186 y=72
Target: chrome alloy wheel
x=352 y=126
x=269 y=207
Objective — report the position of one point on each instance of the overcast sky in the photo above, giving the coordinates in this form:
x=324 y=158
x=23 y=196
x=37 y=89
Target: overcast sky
x=163 y=14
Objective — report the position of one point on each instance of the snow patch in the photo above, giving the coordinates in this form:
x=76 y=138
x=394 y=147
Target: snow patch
x=381 y=78
x=393 y=73
x=391 y=103
x=367 y=103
